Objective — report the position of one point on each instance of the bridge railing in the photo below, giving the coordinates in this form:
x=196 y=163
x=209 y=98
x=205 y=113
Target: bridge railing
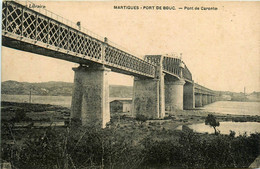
x=123 y=59
x=41 y=27
x=153 y=59
x=58 y=18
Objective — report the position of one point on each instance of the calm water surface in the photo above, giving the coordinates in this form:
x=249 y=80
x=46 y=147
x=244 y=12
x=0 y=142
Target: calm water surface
x=231 y=107
x=225 y=127
x=223 y=107
x=54 y=100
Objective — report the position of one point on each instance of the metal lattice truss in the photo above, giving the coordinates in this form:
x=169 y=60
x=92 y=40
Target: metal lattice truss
x=123 y=59
x=154 y=59
x=27 y=25
x=173 y=66
x=170 y=65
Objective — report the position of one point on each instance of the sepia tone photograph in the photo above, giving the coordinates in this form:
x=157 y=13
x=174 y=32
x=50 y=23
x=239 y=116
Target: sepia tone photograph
x=130 y=85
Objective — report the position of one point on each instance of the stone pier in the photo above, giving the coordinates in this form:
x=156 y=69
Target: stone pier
x=174 y=94
x=146 y=99
x=209 y=99
x=188 y=96
x=90 y=98
x=213 y=99
x=148 y=96
x=204 y=99
x=198 y=100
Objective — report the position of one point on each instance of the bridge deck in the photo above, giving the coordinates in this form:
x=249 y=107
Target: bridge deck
x=24 y=27
x=29 y=30
x=203 y=90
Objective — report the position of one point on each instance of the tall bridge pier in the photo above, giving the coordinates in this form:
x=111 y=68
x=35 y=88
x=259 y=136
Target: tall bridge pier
x=189 y=96
x=90 y=98
x=151 y=96
x=148 y=96
x=174 y=94
x=198 y=100
x=145 y=102
x=204 y=99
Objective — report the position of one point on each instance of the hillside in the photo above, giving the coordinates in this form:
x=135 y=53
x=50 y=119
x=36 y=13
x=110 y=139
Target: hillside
x=120 y=91
x=55 y=89
x=45 y=88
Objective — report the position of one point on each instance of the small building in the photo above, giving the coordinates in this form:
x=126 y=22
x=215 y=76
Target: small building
x=121 y=106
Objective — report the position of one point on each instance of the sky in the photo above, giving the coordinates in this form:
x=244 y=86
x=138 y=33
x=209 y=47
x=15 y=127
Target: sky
x=220 y=47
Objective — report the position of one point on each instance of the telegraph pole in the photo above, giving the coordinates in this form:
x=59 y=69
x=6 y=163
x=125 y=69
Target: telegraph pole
x=30 y=96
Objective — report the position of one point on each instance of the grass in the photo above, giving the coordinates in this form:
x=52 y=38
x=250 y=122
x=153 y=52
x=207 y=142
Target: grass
x=125 y=143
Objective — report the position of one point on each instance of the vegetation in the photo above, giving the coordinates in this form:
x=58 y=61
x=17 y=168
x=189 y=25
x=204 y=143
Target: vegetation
x=28 y=107
x=141 y=118
x=21 y=116
x=125 y=143
x=119 y=147
x=212 y=121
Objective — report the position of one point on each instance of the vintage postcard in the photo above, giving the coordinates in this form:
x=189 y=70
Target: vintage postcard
x=120 y=84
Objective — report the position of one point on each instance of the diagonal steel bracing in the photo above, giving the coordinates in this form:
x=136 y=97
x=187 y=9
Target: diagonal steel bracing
x=29 y=30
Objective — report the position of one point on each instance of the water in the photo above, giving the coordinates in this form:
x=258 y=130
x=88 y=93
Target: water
x=232 y=107
x=225 y=127
x=223 y=107
x=54 y=100
x=235 y=108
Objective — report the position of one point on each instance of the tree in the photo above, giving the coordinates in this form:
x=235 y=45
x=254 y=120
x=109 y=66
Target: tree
x=212 y=121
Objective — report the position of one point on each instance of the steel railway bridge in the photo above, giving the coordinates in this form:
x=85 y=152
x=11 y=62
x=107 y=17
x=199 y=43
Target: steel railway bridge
x=161 y=82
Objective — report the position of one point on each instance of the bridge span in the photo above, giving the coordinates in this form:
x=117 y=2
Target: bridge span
x=162 y=83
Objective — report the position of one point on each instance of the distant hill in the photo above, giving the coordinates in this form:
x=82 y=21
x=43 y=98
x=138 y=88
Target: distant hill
x=55 y=89
x=120 y=91
x=45 y=88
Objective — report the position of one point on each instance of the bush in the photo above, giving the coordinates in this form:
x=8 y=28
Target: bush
x=232 y=133
x=20 y=116
x=90 y=147
x=77 y=147
x=141 y=118
x=209 y=151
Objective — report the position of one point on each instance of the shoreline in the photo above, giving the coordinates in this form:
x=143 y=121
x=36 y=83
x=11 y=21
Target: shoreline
x=177 y=118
